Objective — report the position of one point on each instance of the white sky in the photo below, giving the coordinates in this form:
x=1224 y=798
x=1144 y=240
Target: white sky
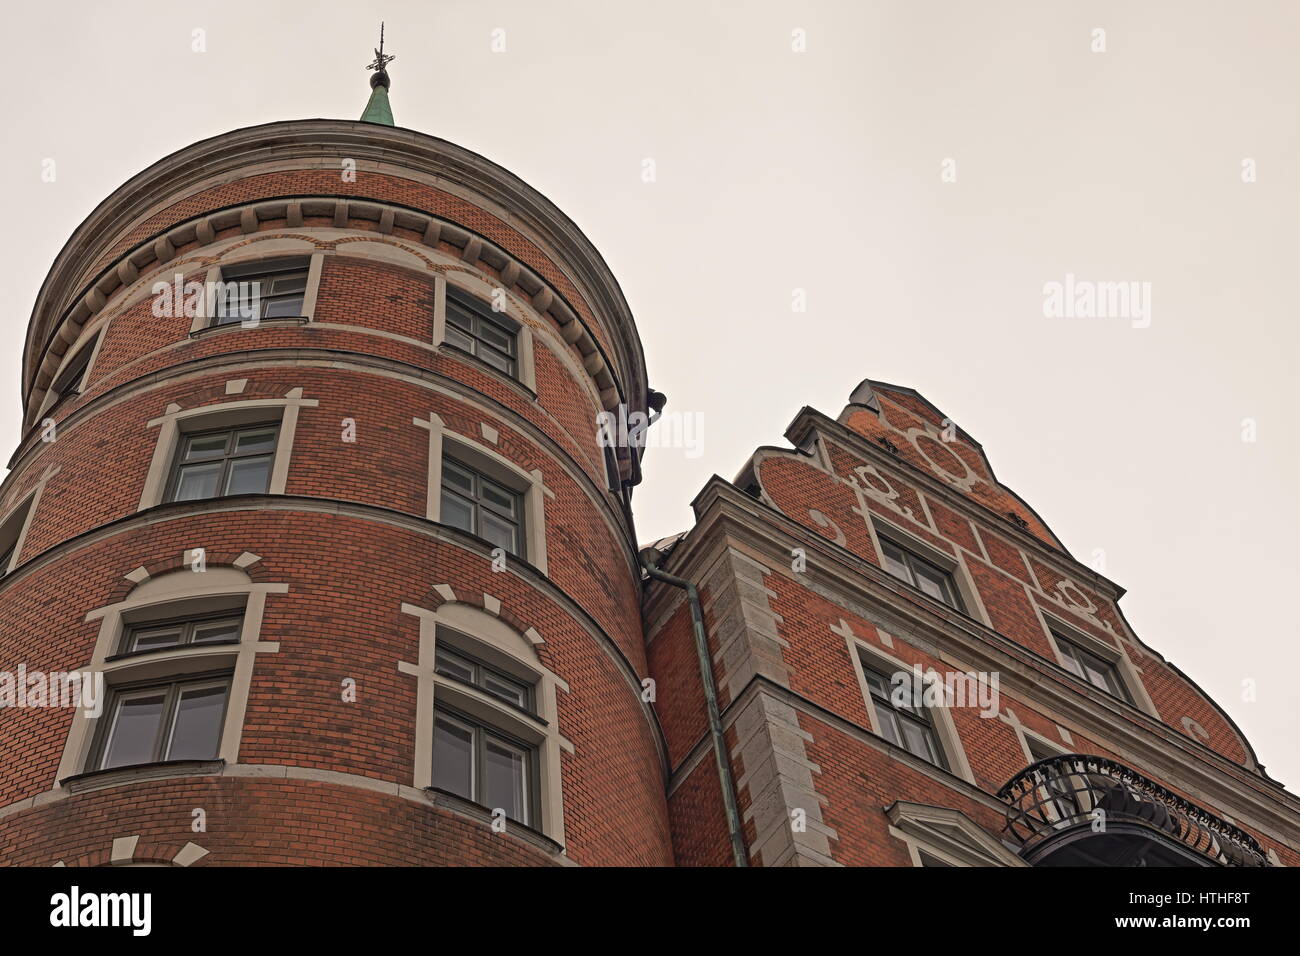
x=821 y=171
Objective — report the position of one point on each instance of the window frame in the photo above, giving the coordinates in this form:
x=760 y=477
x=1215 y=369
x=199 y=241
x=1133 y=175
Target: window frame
x=918 y=717
x=264 y=271
x=454 y=641
x=947 y=577
x=187 y=624
x=165 y=734
x=478 y=503
x=461 y=302
x=1071 y=651
x=482 y=730
x=228 y=457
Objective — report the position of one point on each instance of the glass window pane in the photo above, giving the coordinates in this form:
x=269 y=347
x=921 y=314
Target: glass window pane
x=496 y=337
x=249 y=476
x=287 y=306
x=453 y=758
x=887 y=722
x=496 y=360
x=196 y=728
x=504 y=500
x=154 y=639
x=917 y=739
x=456 y=477
x=457 y=512
x=134 y=730
x=506 y=689
x=498 y=531
x=197 y=481
x=459 y=339
x=290 y=283
x=458 y=318
x=203 y=447
x=504 y=784
x=217 y=631
x=931 y=584
x=254 y=441
x=453 y=665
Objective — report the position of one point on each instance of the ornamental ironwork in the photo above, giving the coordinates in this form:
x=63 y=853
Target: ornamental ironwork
x=1076 y=791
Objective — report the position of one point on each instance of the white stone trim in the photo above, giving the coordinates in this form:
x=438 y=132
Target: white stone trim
x=182 y=591
x=1114 y=653
x=516 y=653
x=177 y=421
x=954 y=565
x=944 y=726
x=24 y=509
x=529 y=483
x=949 y=835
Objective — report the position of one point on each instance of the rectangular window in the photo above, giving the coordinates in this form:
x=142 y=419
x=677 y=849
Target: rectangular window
x=1094 y=669
x=262 y=290
x=481 y=506
x=176 y=720
x=233 y=461
x=68 y=382
x=462 y=667
x=920 y=573
x=474 y=328
x=478 y=763
x=903 y=725
x=159 y=636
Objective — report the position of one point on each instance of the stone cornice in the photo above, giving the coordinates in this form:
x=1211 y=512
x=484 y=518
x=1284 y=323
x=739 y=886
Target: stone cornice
x=71 y=283
x=728 y=516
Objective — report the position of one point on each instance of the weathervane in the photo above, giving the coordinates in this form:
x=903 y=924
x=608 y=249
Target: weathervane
x=381 y=60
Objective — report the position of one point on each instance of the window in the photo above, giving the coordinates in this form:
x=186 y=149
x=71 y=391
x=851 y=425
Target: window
x=68 y=381
x=160 y=636
x=177 y=720
x=1094 y=669
x=468 y=670
x=476 y=762
x=11 y=534
x=232 y=461
x=474 y=328
x=903 y=725
x=272 y=290
x=481 y=506
x=920 y=573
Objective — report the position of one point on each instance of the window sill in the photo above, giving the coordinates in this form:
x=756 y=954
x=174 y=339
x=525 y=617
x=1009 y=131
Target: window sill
x=137 y=655
x=476 y=811
x=135 y=773
x=282 y=321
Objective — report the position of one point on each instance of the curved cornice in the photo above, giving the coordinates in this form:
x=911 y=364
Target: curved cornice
x=317 y=144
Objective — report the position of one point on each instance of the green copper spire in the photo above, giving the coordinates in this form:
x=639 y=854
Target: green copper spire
x=378 y=110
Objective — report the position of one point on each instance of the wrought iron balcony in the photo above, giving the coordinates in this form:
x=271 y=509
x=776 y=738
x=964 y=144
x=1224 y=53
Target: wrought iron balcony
x=1103 y=813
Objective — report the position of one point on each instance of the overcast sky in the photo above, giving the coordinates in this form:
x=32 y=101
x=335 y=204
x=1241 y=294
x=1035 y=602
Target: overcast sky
x=823 y=170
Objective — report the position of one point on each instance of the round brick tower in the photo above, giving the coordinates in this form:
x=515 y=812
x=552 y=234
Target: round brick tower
x=310 y=475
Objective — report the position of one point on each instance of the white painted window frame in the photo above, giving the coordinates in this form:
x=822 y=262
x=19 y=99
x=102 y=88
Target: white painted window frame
x=177 y=421
x=529 y=484
x=944 y=726
x=178 y=593
x=1128 y=674
x=955 y=566
x=501 y=646
x=478 y=288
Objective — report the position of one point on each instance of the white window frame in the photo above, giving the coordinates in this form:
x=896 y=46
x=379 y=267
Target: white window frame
x=1124 y=669
x=179 y=421
x=17 y=521
x=498 y=644
x=91 y=342
x=474 y=287
x=945 y=728
x=268 y=250
x=176 y=594
x=955 y=566
x=529 y=484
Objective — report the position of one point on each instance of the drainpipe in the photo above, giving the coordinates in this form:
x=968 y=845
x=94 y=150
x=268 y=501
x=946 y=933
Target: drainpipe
x=649 y=559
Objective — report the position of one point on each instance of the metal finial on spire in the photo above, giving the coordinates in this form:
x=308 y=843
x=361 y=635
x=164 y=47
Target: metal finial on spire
x=381 y=60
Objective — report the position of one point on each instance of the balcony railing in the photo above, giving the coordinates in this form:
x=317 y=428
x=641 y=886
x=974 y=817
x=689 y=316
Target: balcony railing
x=1077 y=791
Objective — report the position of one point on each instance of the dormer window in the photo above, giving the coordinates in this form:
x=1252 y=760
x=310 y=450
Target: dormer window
x=920 y=573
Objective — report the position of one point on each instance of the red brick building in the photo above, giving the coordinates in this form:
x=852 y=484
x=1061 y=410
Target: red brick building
x=310 y=476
